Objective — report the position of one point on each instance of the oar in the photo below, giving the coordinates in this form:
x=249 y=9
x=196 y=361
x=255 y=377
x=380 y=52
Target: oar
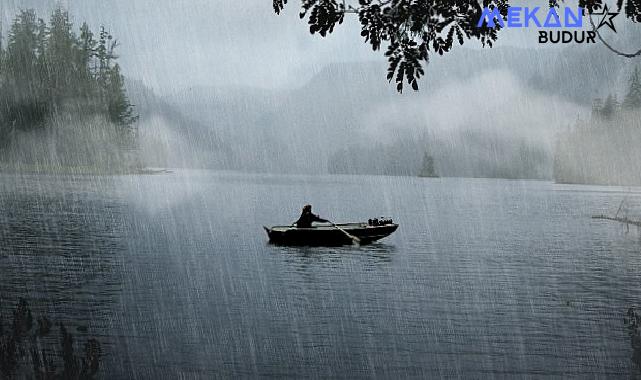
x=354 y=238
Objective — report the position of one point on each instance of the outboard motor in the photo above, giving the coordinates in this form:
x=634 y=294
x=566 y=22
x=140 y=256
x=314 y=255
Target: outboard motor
x=379 y=222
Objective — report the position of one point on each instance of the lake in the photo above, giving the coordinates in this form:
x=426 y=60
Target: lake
x=173 y=274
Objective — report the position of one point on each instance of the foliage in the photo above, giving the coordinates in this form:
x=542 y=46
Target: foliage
x=46 y=67
x=411 y=30
x=119 y=109
x=632 y=321
x=27 y=350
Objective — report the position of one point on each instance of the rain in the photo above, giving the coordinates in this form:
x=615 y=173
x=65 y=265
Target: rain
x=205 y=189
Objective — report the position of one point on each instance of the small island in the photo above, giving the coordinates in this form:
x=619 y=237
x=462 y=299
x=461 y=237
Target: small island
x=427 y=168
x=63 y=105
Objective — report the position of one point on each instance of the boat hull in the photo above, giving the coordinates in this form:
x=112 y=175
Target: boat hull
x=328 y=235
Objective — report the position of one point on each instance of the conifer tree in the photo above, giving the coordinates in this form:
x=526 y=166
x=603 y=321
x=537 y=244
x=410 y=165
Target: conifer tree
x=120 y=111
x=609 y=107
x=21 y=52
x=633 y=97
x=84 y=60
x=60 y=52
x=427 y=169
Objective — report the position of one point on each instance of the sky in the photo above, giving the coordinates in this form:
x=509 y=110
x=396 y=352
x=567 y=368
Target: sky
x=205 y=42
x=176 y=44
x=173 y=44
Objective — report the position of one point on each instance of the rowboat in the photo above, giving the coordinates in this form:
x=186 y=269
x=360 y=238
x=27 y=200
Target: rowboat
x=329 y=235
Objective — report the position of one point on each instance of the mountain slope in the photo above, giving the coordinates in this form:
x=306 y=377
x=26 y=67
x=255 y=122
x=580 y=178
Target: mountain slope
x=519 y=95
x=168 y=138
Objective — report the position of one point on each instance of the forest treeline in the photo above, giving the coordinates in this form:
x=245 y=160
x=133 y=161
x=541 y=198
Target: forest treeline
x=464 y=153
x=63 y=89
x=44 y=66
x=604 y=149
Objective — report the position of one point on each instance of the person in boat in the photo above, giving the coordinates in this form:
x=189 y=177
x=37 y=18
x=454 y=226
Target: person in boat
x=307 y=218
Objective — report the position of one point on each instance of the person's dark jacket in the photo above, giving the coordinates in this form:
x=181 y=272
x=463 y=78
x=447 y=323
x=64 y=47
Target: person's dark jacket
x=306 y=219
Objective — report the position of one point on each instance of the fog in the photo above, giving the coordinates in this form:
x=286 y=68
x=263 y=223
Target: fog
x=225 y=85
x=159 y=239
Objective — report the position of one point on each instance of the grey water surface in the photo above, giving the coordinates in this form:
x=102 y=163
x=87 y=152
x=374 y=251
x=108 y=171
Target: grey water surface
x=174 y=275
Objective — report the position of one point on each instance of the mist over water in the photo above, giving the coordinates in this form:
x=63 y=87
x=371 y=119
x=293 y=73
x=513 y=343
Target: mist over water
x=215 y=91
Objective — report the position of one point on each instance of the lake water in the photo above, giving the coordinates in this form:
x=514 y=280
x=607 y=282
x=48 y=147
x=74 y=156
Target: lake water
x=174 y=275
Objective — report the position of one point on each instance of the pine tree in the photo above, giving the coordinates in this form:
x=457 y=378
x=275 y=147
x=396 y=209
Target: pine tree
x=1 y=46
x=22 y=102
x=60 y=53
x=85 y=54
x=609 y=107
x=21 y=51
x=87 y=46
x=2 y=55
x=41 y=53
x=427 y=169
x=597 y=106
x=633 y=97
x=120 y=111
x=104 y=55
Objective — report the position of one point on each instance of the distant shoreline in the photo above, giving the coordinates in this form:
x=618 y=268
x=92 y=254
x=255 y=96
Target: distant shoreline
x=77 y=170
x=86 y=170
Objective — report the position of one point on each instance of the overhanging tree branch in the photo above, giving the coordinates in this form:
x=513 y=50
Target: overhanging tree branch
x=413 y=29
x=610 y=47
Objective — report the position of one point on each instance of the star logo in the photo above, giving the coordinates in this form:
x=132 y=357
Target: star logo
x=607 y=19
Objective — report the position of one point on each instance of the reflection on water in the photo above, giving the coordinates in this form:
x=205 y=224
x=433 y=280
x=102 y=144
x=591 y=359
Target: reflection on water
x=370 y=255
x=174 y=274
